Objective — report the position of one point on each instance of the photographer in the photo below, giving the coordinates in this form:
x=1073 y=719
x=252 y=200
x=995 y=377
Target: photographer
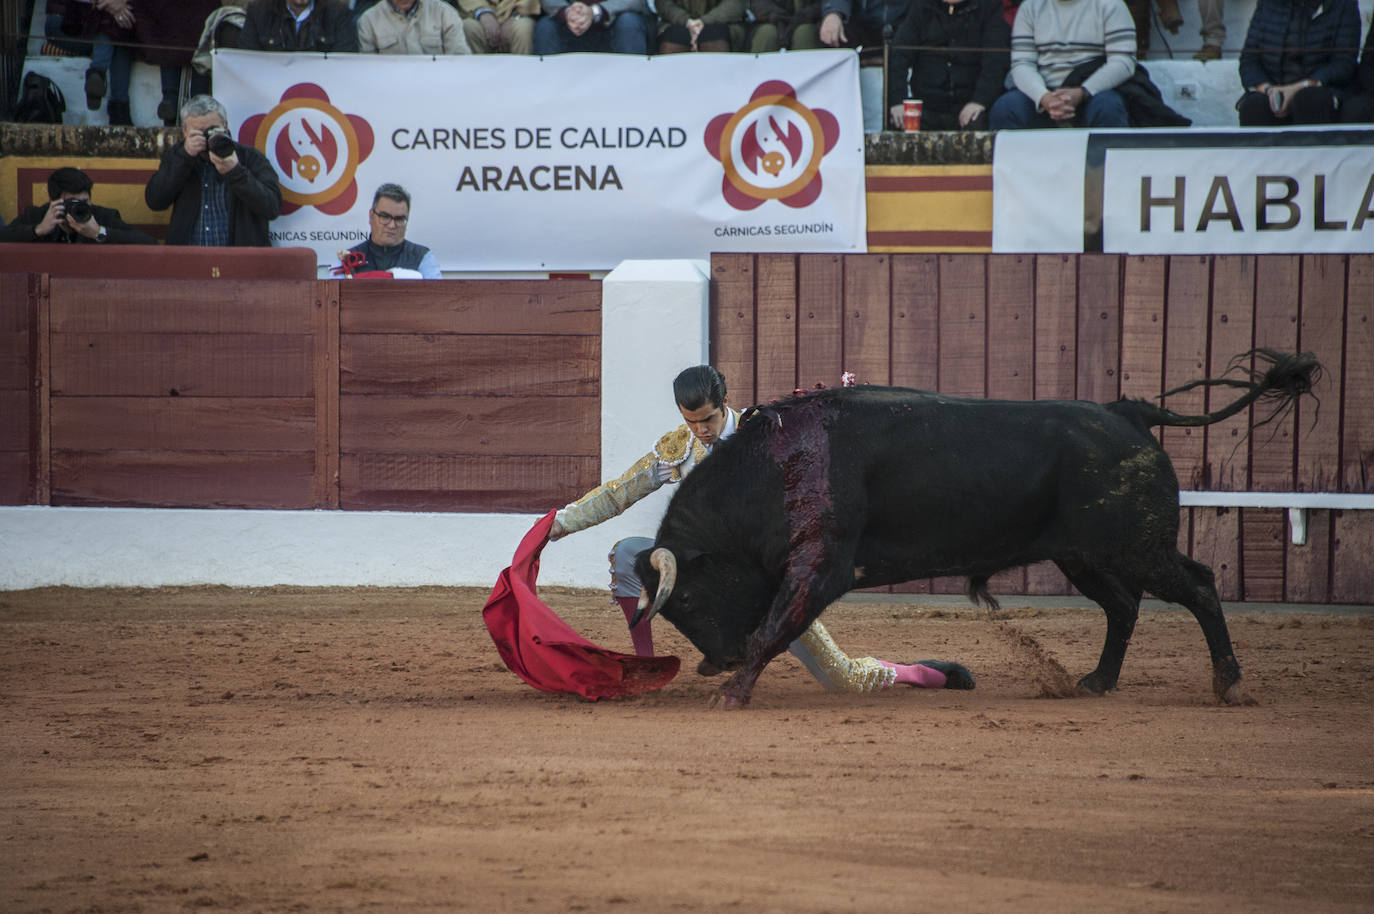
x=222 y=193
x=71 y=218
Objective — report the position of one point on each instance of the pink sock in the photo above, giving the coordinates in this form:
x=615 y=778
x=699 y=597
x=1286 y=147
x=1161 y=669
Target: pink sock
x=642 y=634
x=922 y=677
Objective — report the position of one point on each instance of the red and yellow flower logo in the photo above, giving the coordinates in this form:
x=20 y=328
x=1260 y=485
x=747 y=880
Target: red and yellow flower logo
x=315 y=147
x=772 y=148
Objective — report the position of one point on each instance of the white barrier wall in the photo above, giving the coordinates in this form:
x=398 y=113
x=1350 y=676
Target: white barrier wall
x=654 y=324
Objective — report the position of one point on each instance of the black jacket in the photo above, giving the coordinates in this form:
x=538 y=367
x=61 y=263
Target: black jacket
x=254 y=196
x=270 y=27
x=1289 y=40
x=1145 y=105
x=117 y=230
x=946 y=80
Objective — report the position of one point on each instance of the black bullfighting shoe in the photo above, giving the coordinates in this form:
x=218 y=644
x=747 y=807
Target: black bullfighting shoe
x=957 y=676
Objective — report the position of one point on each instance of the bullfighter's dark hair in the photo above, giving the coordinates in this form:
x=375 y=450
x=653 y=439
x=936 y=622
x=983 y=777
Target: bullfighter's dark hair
x=699 y=385
x=68 y=181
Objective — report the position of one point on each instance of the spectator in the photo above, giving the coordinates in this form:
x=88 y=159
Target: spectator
x=222 y=29
x=386 y=247
x=791 y=24
x=699 y=25
x=843 y=27
x=298 y=25
x=617 y=26
x=412 y=27
x=169 y=31
x=1049 y=40
x=1298 y=59
x=1358 y=107
x=108 y=27
x=69 y=216
x=1213 y=31
x=958 y=83
x=222 y=193
x=1169 y=17
x=503 y=25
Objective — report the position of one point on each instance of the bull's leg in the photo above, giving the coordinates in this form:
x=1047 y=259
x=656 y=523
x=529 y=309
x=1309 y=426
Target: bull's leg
x=1121 y=603
x=804 y=594
x=1192 y=584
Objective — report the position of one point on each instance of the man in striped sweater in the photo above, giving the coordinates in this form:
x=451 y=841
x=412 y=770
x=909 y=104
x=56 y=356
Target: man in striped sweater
x=1053 y=43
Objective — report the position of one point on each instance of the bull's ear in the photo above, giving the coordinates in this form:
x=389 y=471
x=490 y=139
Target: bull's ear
x=688 y=556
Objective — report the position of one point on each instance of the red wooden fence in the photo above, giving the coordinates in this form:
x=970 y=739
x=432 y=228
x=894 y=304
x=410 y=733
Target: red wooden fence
x=1097 y=327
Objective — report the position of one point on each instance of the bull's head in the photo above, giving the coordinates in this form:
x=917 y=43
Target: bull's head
x=714 y=600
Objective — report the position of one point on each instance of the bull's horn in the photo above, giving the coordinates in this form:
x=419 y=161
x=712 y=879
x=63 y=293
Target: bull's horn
x=665 y=563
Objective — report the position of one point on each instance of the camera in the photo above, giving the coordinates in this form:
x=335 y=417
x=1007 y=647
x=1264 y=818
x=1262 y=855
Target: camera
x=220 y=142
x=78 y=210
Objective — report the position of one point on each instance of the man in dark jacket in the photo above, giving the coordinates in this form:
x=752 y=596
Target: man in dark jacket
x=959 y=69
x=69 y=216
x=222 y=193
x=1359 y=105
x=1298 y=60
x=299 y=25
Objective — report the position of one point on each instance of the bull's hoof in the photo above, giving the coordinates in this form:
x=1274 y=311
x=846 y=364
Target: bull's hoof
x=1226 y=682
x=957 y=676
x=720 y=701
x=1093 y=684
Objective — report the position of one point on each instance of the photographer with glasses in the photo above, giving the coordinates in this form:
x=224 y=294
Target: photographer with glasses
x=69 y=216
x=386 y=248
x=222 y=193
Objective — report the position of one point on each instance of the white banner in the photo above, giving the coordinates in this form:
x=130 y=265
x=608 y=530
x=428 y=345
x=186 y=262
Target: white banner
x=574 y=162
x=1308 y=190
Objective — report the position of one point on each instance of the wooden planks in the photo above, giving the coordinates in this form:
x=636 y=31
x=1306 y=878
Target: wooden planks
x=557 y=307
x=175 y=393
x=456 y=402
x=776 y=314
x=820 y=323
x=17 y=342
x=1217 y=539
x=404 y=482
x=733 y=328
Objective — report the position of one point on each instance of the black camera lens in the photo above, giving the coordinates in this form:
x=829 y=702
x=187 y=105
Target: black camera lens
x=221 y=143
x=79 y=210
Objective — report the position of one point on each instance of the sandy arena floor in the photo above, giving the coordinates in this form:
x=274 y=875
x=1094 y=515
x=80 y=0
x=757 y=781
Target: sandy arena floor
x=295 y=749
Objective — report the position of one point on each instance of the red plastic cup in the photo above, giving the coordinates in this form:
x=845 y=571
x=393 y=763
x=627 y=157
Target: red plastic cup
x=911 y=115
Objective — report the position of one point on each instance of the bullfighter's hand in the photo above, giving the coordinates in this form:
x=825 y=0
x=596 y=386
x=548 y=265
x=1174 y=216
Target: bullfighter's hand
x=666 y=472
x=969 y=113
x=556 y=532
x=832 y=30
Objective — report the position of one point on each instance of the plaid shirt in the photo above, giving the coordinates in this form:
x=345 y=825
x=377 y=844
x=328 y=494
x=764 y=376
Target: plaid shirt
x=212 y=224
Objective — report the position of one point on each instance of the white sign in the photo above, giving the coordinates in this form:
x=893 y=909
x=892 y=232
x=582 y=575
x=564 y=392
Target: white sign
x=571 y=162
x=1308 y=190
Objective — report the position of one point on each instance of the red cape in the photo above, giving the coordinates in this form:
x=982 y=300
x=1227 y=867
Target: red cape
x=541 y=649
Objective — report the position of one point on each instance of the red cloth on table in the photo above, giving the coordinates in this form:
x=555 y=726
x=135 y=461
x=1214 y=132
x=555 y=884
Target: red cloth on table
x=543 y=650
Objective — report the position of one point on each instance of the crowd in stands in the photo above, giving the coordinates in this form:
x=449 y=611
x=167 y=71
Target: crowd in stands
x=975 y=64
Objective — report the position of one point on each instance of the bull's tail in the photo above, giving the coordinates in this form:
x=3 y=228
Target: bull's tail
x=1288 y=377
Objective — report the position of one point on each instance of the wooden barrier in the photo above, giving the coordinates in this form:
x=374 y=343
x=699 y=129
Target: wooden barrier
x=1098 y=327
x=485 y=395
x=448 y=395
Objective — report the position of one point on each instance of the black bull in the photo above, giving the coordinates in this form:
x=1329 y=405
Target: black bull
x=836 y=489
